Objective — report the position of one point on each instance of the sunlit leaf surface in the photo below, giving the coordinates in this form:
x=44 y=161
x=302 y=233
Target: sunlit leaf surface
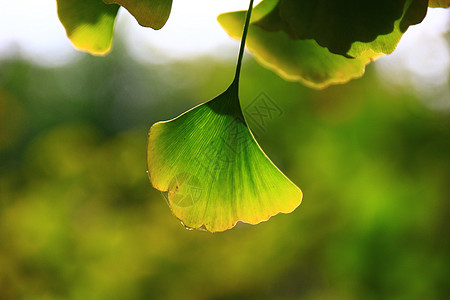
x=148 y=13
x=338 y=25
x=89 y=24
x=295 y=60
x=305 y=60
x=214 y=171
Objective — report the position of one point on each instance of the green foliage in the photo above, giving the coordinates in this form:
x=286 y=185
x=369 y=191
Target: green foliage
x=318 y=43
x=315 y=42
x=303 y=61
x=88 y=24
x=281 y=40
x=213 y=169
x=79 y=220
x=338 y=25
x=148 y=13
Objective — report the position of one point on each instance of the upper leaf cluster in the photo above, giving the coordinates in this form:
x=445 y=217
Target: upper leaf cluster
x=318 y=43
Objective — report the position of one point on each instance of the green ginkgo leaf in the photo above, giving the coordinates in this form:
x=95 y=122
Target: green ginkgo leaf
x=89 y=24
x=294 y=60
x=214 y=171
x=347 y=27
x=305 y=60
x=148 y=13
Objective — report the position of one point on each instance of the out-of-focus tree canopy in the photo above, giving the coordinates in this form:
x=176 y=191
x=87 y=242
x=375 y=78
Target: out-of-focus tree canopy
x=79 y=219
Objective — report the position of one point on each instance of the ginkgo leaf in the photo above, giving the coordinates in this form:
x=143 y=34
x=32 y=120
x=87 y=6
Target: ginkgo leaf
x=439 y=3
x=89 y=24
x=414 y=12
x=347 y=27
x=214 y=171
x=295 y=60
x=148 y=13
x=305 y=60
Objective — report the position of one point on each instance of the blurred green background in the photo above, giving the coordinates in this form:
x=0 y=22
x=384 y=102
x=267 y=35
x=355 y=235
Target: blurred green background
x=80 y=220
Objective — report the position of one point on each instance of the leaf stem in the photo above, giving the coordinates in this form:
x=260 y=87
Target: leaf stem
x=244 y=37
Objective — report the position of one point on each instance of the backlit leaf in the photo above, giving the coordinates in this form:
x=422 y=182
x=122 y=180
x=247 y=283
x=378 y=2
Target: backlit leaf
x=338 y=25
x=305 y=60
x=296 y=60
x=214 y=171
x=89 y=24
x=148 y=13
